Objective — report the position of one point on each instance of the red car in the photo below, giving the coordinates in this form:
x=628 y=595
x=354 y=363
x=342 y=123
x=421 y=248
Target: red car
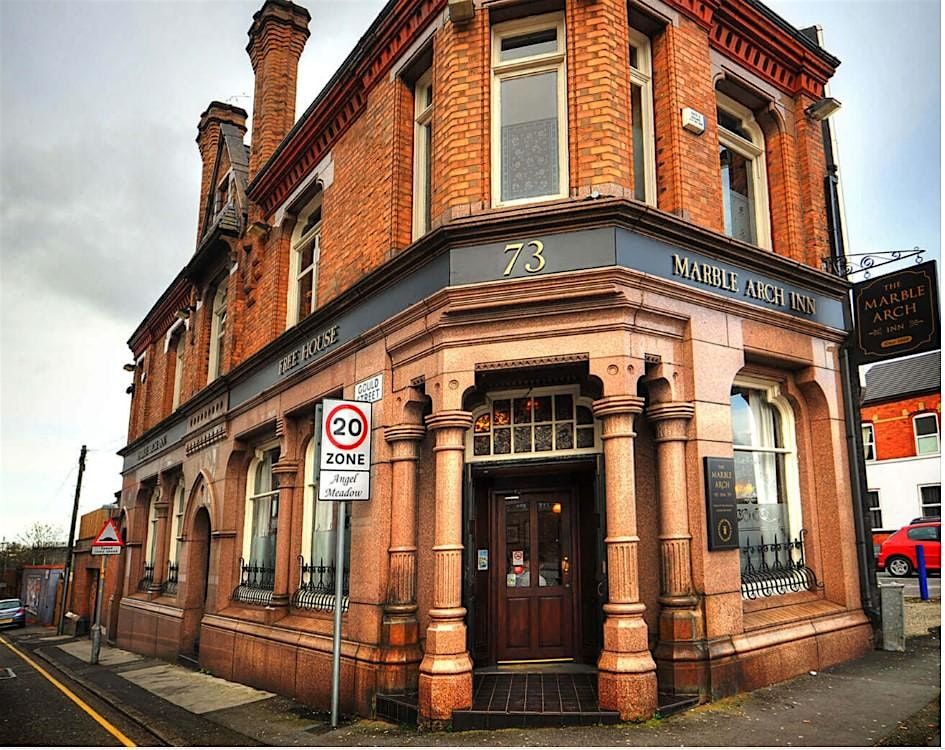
x=897 y=555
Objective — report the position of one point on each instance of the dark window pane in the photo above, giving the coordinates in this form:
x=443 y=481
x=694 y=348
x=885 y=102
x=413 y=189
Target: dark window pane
x=501 y=412
x=481 y=445
x=636 y=121
x=527 y=45
x=523 y=439
x=543 y=437
x=542 y=406
x=564 y=408
x=503 y=441
x=585 y=437
x=523 y=410
x=549 y=544
x=584 y=415
x=564 y=436
x=737 y=196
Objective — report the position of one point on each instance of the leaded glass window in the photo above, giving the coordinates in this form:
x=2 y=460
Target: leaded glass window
x=536 y=422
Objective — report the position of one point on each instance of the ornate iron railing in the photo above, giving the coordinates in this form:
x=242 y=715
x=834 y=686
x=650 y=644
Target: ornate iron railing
x=864 y=263
x=256 y=583
x=776 y=568
x=170 y=582
x=147 y=578
x=317 y=587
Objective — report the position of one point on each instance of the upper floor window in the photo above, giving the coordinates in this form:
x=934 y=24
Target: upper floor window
x=222 y=195
x=930 y=499
x=217 y=330
x=873 y=511
x=641 y=118
x=869 y=441
x=744 y=176
x=529 y=110
x=422 y=152
x=925 y=427
x=177 y=346
x=541 y=421
x=303 y=263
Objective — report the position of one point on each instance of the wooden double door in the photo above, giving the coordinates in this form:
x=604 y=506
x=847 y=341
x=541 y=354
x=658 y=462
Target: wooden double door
x=534 y=574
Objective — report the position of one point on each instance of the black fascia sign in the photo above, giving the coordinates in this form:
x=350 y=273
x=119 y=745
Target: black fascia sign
x=720 y=503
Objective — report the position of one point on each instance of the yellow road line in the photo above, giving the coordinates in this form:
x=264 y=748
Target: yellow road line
x=72 y=696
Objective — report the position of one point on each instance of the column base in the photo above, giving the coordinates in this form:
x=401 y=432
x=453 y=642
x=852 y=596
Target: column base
x=681 y=652
x=441 y=694
x=400 y=656
x=632 y=695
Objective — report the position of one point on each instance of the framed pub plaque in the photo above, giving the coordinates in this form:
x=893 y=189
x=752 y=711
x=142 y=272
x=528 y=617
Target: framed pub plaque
x=720 y=503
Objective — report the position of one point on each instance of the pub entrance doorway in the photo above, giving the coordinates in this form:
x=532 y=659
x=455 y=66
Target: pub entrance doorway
x=536 y=544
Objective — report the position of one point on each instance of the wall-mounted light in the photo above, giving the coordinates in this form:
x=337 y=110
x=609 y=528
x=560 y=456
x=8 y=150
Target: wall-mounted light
x=822 y=109
x=130 y=367
x=130 y=388
x=184 y=312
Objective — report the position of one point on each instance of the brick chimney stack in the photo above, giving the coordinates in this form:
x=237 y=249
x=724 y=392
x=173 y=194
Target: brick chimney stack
x=276 y=40
x=208 y=141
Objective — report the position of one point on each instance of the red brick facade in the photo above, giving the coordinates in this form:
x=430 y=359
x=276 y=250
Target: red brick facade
x=893 y=423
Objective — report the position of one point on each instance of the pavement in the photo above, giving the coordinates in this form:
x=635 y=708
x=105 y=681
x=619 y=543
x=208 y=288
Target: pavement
x=884 y=698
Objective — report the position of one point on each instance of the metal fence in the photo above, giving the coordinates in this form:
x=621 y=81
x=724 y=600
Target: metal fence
x=148 y=577
x=170 y=583
x=256 y=583
x=316 y=589
x=770 y=569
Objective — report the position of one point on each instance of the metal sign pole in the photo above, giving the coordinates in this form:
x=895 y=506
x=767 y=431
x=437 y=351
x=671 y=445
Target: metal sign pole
x=96 y=628
x=339 y=589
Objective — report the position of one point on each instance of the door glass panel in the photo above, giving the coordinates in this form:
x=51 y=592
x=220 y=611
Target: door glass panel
x=517 y=543
x=549 y=543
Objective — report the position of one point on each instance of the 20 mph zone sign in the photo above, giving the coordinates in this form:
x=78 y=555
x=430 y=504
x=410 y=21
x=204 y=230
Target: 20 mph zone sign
x=346 y=451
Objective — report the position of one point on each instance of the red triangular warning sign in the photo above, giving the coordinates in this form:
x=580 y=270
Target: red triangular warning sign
x=108 y=536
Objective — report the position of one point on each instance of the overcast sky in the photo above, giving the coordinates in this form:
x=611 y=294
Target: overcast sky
x=99 y=180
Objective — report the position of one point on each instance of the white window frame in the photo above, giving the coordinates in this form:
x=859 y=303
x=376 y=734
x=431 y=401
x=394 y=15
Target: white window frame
x=178 y=367
x=754 y=151
x=917 y=437
x=871 y=443
x=642 y=77
x=151 y=540
x=217 y=330
x=492 y=396
x=919 y=489
x=177 y=523
x=792 y=487
x=521 y=68
x=222 y=194
x=248 y=506
x=422 y=153
x=870 y=508
x=300 y=242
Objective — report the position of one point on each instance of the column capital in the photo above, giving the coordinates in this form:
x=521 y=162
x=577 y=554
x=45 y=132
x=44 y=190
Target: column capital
x=285 y=466
x=455 y=418
x=404 y=432
x=617 y=405
x=671 y=419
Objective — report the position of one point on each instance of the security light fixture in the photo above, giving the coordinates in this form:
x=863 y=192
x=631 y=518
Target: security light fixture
x=130 y=367
x=184 y=312
x=822 y=109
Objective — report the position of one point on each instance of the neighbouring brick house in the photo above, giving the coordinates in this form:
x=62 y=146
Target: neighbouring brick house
x=579 y=241
x=86 y=570
x=901 y=415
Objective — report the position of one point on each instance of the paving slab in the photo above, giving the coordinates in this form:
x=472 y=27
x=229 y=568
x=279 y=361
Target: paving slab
x=193 y=691
x=107 y=656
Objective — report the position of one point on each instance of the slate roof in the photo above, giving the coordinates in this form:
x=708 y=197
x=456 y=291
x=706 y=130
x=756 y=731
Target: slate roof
x=902 y=377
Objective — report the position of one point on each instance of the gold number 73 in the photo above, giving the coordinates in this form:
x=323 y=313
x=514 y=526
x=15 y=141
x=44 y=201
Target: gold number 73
x=534 y=265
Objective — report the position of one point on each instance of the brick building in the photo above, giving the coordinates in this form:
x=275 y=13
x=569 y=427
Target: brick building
x=579 y=241
x=901 y=413
x=86 y=570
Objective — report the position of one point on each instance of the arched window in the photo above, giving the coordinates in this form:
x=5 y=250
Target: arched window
x=304 y=256
x=535 y=422
x=744 y=175
x=260 y=523
x=319 y=523
x=767 y=491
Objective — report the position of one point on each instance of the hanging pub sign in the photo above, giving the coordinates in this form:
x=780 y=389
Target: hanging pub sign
x=720 y=503
x=896 y=314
